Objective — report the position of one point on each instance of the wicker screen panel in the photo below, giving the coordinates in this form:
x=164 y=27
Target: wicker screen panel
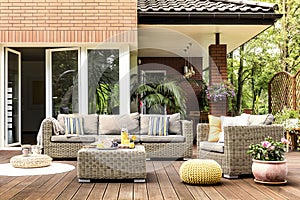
x=281 y=92
x=297 y=90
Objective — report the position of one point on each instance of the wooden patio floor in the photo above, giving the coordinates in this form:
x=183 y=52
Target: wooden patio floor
x=163 y=182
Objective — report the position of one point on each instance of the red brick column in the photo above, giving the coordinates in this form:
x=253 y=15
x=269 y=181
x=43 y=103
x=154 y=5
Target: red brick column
x=218 y=73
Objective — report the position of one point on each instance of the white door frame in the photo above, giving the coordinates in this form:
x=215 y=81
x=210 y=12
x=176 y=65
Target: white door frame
x=48 y=77
x=6 y=108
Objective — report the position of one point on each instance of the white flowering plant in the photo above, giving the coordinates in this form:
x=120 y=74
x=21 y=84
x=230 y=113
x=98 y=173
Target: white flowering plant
x=219 y=92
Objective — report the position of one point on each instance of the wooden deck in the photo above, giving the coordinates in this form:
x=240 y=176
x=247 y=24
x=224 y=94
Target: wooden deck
x=163 y=182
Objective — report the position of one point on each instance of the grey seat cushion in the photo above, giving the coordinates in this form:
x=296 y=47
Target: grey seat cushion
x=73 y=139
x=162 y=139
x=212 y=146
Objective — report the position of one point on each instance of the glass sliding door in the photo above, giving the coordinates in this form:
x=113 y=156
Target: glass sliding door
x=62 y=84
x=103 y=81
x=13 y=97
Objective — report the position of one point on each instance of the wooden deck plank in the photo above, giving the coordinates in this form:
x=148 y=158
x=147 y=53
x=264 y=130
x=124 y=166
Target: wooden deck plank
x=179 y=187
x=126 y=191
x=98 y=191
x=70 y=190
x=195 y=190
x=225 y=192
x=13 y=191
x=166 y=187
x=269 y=193
x=251 y=189
x=112 y=191
x=163 y=182
x=26 y=192
x=153 y=186
x=236 y=189
x=9 y=182
x=58 y=187
x=140 y=191
x=84 y=191
x=46 y=187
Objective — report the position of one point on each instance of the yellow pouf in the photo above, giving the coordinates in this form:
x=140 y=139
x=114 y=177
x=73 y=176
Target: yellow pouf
x=200 y=171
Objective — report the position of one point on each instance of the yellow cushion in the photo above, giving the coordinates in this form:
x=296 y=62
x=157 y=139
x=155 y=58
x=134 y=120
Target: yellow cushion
x=214 y=128
x=200 y=171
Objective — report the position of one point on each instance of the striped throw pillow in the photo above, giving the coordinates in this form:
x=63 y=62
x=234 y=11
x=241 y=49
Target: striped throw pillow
x=73 y=126
x=158 y=126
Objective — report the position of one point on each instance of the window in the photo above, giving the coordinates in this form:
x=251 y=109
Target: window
x=103 y=81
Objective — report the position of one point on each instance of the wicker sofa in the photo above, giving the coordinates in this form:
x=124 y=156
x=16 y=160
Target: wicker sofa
x=174 y=145
x=231 y=154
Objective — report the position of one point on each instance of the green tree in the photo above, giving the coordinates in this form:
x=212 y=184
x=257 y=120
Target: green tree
x=276 y=49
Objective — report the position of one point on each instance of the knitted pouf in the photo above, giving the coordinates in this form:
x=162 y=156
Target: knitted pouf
x=200 y=171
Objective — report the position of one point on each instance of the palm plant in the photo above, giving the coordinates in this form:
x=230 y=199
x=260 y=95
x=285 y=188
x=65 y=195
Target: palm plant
x=157 y=94
x=103 y=80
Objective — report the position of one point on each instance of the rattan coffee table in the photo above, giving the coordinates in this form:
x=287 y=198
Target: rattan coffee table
x=118 y=163
x=31 y=161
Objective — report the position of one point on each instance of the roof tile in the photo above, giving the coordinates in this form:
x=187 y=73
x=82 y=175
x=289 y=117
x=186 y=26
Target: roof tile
x=205 y=6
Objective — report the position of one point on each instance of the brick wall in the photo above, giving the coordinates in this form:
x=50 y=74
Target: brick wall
x=174 y=70
x=68 y=20
x=218 y=73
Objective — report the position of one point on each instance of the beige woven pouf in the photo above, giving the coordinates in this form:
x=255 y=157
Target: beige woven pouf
x=200 y=171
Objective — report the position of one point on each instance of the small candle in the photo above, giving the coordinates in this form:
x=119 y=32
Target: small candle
x=25 y=152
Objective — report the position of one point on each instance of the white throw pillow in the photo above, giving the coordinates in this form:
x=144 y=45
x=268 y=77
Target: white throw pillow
x=112 y=124
x=242 y=120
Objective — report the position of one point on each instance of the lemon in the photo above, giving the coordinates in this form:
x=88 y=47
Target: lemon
x=133 y=137
x=131 y=145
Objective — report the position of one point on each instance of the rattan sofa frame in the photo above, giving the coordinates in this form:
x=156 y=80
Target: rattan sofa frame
x=235 y=161
x=172 y=150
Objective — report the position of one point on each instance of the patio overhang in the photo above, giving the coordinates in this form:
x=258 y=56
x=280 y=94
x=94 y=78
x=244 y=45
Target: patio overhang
x=170 y=40
x=166 y=27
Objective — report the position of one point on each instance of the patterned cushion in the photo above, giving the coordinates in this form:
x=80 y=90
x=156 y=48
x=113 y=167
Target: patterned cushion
x=174 y=123
x=158 y=126
x=73 y=125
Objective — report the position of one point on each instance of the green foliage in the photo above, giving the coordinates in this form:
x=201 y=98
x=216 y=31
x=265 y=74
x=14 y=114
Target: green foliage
x=159 y=93
x=268 y=150
x=276 y=49
x=103 y=68
x=289 y=118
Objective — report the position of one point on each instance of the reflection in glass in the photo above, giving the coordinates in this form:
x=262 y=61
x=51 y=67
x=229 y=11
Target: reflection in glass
x=103 y=76
x=64 y=82
x=13 y=99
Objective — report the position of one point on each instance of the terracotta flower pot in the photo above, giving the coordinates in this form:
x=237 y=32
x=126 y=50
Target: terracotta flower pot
x=271 y=172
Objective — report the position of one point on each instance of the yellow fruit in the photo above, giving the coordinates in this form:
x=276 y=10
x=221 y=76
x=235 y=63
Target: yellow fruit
x=133 y=137
x=131 y=145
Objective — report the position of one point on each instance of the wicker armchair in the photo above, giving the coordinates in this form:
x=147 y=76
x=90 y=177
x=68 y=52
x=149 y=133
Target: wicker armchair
x=234 y=160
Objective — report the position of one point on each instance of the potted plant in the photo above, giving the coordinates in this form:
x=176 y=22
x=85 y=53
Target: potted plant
x=269 y=163
x=219 y=92
x=159 y=94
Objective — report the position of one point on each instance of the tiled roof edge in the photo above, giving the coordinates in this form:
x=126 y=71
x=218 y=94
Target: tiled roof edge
x=251 y=3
